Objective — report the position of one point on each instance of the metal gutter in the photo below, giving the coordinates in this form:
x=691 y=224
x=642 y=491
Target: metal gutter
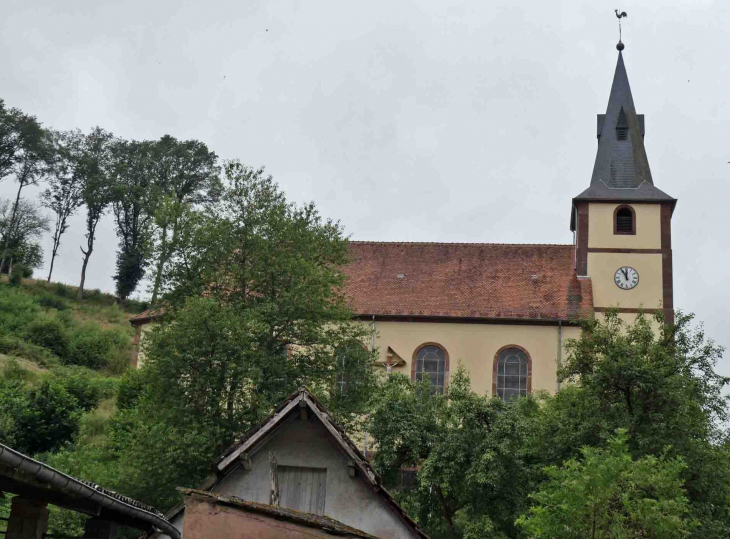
x=78 y=489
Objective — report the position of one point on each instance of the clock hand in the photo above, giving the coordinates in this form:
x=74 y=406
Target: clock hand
x=626 y=274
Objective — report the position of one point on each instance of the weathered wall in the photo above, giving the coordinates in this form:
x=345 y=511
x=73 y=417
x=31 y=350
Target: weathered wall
x=349 y=500
x=475 y=346
x=205 y=520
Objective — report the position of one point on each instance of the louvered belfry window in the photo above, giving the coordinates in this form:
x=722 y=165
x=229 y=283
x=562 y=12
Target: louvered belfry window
x=624 y=221
x=621 y=133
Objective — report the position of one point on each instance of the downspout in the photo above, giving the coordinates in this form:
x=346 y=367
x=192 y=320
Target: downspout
x=560 y=348
x=372 y=336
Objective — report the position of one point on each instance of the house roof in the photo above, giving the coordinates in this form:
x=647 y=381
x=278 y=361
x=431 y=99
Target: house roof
x=304 y=398
x=22 y=475
x=147 y=316
x=330 y=525
x=466 y=281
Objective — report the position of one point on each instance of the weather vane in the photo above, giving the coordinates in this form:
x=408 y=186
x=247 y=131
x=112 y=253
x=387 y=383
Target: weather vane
x=619 y=16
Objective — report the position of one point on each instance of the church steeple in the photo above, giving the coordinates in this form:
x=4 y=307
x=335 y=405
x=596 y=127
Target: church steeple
x=621 y=160
x=621 y=171
x=622 y=222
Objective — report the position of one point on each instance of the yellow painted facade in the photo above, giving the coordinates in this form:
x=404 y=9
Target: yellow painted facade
x=475 y=346
x=648 y=227
x=647 y=294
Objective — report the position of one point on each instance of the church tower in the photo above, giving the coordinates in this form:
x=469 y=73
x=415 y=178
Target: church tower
x=622 y=222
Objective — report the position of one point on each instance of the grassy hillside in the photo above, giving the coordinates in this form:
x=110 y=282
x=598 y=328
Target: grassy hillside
x=43 y=326
x=60 y=363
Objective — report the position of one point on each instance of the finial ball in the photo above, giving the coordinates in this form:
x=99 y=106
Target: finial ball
x=620 y=46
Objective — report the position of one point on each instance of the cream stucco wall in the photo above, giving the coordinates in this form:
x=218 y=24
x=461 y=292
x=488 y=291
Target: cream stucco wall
x=475 y=346
x=648 y=227
x=648 y=293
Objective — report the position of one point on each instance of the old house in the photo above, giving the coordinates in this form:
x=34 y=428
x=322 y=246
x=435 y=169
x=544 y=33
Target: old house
x=299 y=460
x=504 y=311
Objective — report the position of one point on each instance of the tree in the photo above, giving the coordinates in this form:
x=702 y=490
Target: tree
x=21 y=225
x=232 y=344
x=26 y=152
x=134 y=206
x=92 y=164
x=64 y=193
x=658 y=383
x=36 y=419
x=185 y=173
x=608 y=495
x=474 y=470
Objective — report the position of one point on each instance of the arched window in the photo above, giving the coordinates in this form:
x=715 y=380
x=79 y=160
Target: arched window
x=431 y=361
x=512 y=376
x=624 y=220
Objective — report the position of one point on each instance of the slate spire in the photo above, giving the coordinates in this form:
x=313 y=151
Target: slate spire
x=621 y=160
x=621 y=172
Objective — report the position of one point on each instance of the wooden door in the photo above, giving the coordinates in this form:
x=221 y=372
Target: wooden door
x=302 y=489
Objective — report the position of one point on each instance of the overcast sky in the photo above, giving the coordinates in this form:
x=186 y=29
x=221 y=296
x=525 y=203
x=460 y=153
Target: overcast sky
x=413 y=121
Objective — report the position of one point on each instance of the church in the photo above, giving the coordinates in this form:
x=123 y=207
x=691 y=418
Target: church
x=504 y=311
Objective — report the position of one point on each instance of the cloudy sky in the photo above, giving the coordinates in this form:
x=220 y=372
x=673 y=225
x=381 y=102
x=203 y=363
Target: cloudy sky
x=414 y=121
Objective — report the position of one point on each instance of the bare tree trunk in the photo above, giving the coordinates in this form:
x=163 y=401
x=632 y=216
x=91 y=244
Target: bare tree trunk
x=160 y=265
x=53 y=259
x=56 y=242
x=87 y=255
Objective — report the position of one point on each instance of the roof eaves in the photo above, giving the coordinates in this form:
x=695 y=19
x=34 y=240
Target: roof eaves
x=108 y=499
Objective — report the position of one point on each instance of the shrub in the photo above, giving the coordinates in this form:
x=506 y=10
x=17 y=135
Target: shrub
x=16 y=274
x=91 y=346
x=81 y=384
x=12 y=345
x=130 y=388
x=46 y=417
x=17 y=310
x=62 y=290
x=26 y=272
x=50 y=334
x=52 y=302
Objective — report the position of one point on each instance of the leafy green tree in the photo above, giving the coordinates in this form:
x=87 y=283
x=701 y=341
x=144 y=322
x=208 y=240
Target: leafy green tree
x=37 y=418
x=474 y=472
x=133 y=204
x=21 y=226
x=184 y=174
x=65 y=186
x=26 y=154
x=608 y=495
x=658 y=383
x=255 y=309
x=93 y=165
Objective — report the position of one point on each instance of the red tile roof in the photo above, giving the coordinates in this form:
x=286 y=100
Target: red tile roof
x=466 y=280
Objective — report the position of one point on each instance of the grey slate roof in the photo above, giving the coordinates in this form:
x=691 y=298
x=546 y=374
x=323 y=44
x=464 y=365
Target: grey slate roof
x=621 y=171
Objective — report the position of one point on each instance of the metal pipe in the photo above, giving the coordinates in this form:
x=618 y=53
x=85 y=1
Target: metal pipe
x=560 y=348
x=65 y=483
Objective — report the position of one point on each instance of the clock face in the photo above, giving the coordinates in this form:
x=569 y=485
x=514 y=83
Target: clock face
x=626 y=278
